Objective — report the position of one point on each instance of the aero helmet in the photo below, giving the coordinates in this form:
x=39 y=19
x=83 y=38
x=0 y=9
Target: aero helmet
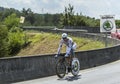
x=64 y=35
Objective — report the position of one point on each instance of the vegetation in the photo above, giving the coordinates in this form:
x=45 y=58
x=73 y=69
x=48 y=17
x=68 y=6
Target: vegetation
x=16 y=39
x=67 y=18
x=11 y=21
x=12 y=38
x=46 y=43
x=3 y=41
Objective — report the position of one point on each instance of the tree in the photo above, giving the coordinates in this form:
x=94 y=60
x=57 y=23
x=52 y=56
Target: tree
x=67 y=18
x=117 y=23
x=16 y=39
x=29 y=16
x=12 y=21
x=56 y=19
x=3 y=41
x=5 y=12
x=16 y=36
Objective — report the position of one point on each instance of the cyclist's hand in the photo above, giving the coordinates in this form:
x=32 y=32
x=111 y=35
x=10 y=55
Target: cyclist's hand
x=56 y=56
x=66 y=55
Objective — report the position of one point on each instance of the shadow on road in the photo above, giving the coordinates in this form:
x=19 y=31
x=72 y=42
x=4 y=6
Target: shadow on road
x=71 y=78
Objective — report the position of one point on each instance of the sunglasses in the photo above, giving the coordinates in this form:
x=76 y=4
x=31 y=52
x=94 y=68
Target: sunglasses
x=64 y=38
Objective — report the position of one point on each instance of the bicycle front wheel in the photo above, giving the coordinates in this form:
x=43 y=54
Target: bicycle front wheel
x=60 y=69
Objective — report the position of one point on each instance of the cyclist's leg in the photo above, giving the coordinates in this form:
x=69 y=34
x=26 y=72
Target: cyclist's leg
x=68 y=64
x=67 y=55
x=69 y=58
x=72 y=52
x=73 y=49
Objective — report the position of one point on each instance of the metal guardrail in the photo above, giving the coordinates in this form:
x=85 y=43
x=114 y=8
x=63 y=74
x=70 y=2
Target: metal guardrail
x=39 y=27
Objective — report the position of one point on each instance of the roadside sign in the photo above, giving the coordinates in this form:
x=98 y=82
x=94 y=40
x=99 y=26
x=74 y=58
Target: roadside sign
x=107 y=23
x=22 y=19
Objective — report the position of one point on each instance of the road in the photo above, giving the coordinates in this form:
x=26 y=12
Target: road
x=105 y=74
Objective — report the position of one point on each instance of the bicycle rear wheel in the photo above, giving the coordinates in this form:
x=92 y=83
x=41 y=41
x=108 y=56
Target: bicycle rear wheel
x=60 y=69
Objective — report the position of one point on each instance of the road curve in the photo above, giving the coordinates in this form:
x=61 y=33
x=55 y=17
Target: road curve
x=105 y=74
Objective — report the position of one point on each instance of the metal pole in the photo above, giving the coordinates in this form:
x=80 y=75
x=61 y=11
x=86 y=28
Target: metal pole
x=106 y=40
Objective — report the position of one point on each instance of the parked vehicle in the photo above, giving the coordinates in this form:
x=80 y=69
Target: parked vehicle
x=116 y=34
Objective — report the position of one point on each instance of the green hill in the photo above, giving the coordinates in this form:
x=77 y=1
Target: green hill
x=47 y=43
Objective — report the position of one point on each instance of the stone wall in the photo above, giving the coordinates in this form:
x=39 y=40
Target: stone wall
x=25 y=68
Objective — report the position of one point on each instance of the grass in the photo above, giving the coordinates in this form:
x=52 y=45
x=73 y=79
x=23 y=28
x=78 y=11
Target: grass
x=47 y=43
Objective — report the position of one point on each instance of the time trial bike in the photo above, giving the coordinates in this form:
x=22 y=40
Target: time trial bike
x=63 y=66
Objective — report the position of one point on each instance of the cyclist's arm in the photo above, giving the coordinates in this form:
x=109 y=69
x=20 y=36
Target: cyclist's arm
x=59 y=48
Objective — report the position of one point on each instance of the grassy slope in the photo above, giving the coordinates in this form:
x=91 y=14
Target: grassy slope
x=47 y=43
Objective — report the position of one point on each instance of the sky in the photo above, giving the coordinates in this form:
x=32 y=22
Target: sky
x=92 y=8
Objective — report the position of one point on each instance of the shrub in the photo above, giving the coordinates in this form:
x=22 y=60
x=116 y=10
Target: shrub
x=3 y=41
x=11 y=21
x=16 y=40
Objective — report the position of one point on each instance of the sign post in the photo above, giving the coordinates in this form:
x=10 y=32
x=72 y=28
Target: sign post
x=107 y=24
x=22 y=19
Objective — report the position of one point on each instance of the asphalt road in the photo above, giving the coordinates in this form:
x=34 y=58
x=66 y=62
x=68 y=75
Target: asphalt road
x=105 y=74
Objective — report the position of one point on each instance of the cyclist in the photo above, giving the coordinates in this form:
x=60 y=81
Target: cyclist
x=71 y=46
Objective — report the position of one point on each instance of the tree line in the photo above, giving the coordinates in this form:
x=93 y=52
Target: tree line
x=67 y=18
x=31 y=18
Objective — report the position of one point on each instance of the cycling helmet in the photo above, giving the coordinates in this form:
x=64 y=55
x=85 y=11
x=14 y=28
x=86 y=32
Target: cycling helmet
x=64 y=35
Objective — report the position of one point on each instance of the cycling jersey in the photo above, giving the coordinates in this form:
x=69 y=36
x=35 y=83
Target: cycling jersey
x=70 y=45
